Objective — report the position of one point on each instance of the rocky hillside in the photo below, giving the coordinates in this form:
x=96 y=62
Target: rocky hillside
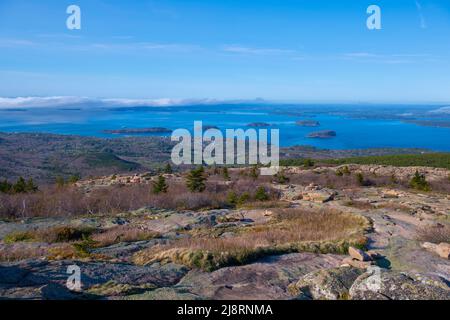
x=316 y=241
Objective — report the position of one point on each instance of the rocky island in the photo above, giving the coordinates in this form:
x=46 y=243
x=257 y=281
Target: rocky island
x=308 y=123
x=258 y=124
x=322 y=134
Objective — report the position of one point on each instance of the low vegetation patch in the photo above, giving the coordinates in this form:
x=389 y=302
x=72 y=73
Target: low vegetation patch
x=434 y=234
x=434 y=160
x=122 y=234
x=292 y=230
x=51 y=235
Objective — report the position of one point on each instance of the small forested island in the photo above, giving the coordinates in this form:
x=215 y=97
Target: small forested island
x=138 y=130
x=308 y=123
x=322 y=134
x=258 y=124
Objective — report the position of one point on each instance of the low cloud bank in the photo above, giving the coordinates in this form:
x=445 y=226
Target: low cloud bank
x=63 y=101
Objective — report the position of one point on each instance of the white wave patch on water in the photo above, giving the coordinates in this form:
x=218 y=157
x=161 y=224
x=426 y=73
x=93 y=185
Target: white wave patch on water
x=442 y=110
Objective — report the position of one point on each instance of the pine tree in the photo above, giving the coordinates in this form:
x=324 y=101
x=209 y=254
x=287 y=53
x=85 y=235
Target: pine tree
x=5 y=186
x=360 y=179
x=31 y=186
x=225 y=173
x=20 y=186
x=308 y=163
x=195 y=180
x=419 y=182
x=254 y=172
x=243 y=198
x=168 y=169
x=281 y=178
x=60 y=182
x=160 y=185
x=74 y=179
x=261 y=194
x=232 y=198
x=215 y=170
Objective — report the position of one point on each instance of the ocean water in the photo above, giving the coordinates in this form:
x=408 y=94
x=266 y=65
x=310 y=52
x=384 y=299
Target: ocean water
x=357 y=127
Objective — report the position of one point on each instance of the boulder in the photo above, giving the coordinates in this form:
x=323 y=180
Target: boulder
x=443 y=250
x=326 y=284
x=349 y=261
x=391 y=285
x=317 y=194
x=358 y=254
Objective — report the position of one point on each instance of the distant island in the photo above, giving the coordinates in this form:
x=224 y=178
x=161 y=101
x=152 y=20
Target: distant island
x=430 y=123
x=138 y=130
x=322 y=134
x=308 y=123
x=258 y=124
x=210 y=127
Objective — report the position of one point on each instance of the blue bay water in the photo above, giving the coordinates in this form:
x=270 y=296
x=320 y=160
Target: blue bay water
x=353 y=131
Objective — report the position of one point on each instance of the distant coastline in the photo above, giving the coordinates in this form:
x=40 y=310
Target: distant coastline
x=138 y=130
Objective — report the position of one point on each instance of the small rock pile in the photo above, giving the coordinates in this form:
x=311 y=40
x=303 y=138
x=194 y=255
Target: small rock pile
x=360 y=259
x=315 y=193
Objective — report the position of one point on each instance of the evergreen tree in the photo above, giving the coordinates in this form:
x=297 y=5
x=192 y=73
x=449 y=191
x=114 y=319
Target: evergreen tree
x=225 y=173
x=243 y=198
x=160 y=185
x=31 y=186
x=60 y=182
x=195 y=180
x=261 y=194
x=5 y=186
x=254 y=173
x=20 y=186
x=168 y=169
x=419 y=182
x=232 y=198
x=360 y=179
x=215 y=170
x=308 y=163
x=281 y=178
x=74 y=179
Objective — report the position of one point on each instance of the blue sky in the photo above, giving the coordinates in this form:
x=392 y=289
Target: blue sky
x=284 y=50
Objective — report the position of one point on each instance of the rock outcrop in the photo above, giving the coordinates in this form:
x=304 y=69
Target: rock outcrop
x=391 y=285
x=327 y=284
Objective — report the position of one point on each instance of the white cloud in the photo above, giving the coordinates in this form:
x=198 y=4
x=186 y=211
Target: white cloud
x=65 y=101
x=12 y=43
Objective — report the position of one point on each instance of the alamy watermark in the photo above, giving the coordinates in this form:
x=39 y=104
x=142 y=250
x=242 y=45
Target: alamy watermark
x=73 y=22
x=73 y=282
x=238 y=146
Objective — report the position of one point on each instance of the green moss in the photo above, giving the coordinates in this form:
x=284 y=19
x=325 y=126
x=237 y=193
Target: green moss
x=18 y=237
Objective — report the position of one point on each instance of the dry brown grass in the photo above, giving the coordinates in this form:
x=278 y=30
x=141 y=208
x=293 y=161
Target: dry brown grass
x=434 y=234
x=292 y=230
x=362 y=205
x=21 y=251
x=50 y=235
x=122 y=234
x=394 y=206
